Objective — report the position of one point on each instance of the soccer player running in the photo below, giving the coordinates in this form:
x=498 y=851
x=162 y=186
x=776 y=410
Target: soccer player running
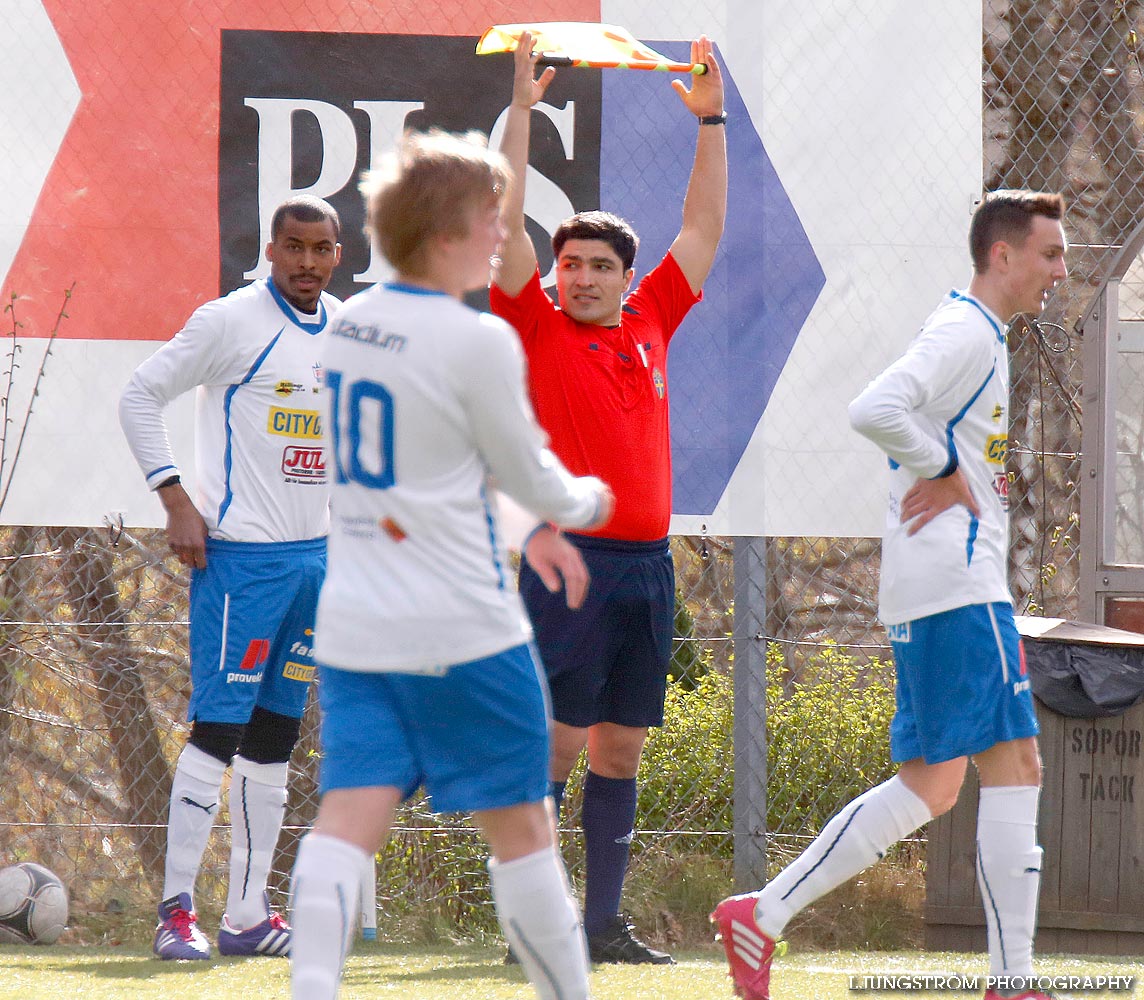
x=254 y=538
x=941 y=415
x=597 y=369
x=427 y=672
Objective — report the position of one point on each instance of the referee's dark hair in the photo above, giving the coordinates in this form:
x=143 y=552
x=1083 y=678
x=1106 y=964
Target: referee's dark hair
x=597 y=225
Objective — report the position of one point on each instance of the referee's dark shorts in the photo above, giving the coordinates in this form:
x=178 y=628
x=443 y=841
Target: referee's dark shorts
x=608 y=661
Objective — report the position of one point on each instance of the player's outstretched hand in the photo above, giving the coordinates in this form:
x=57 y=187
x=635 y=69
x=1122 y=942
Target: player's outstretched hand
x=706 y=94
x=929 y=497
x=527 y=88
x=558 y=563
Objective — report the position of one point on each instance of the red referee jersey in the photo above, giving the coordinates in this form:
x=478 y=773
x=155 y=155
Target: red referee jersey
x=601 y=392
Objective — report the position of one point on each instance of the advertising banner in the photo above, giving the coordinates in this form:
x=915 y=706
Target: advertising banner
x=149 y=144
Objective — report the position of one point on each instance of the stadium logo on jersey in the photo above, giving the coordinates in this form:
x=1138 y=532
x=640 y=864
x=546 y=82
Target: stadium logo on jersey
x=298 y=672
x=658 y=381
x=996 y=448
x=1001 y=488
x=374 y=336
x=286 y=387
x=294 y=423
x=899 y=632
x=303 y=464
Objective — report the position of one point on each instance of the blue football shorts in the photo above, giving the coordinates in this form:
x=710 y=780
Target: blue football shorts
x=608 y=661
x=963 y=685
x=475 y=737
x=252 y=628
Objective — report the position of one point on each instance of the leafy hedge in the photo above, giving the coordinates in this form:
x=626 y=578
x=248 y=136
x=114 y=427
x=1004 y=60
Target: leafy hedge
x=828 y=733
x=687 y=773
x=827 y=741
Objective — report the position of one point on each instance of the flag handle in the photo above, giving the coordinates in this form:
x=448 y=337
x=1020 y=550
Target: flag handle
x=549 y=59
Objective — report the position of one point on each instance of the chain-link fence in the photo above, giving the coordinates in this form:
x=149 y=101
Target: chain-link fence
x=93 y=695
x=93 y=678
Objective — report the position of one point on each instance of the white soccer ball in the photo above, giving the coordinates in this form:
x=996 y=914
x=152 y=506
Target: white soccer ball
x=33 y=904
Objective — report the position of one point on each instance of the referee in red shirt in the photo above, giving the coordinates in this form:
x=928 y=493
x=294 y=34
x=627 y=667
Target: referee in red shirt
x=598 y=378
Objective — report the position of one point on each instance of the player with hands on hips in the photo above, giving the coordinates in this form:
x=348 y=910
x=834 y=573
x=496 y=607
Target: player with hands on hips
x=254 y=538
x=428 y=676
x=940 y=414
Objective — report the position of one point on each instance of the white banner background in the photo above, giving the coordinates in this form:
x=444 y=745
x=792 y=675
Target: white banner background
x=872 y=118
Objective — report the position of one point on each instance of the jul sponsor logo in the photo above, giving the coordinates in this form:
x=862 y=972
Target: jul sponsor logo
x=1001 y=488
x=307 y=464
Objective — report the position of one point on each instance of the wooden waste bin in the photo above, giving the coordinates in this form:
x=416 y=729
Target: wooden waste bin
x=1091 y=828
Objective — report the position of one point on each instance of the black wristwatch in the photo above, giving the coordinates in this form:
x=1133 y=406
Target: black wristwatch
x=720 y=119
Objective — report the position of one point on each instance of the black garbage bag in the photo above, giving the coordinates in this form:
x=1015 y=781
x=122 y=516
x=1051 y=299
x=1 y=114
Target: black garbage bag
x=1081 y=670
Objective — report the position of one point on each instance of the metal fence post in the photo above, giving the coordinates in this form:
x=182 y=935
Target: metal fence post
x=750 y=811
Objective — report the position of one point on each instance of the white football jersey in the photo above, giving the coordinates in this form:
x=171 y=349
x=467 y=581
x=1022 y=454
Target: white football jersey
x=946 y=397
x=259 y=458
x=425 y=408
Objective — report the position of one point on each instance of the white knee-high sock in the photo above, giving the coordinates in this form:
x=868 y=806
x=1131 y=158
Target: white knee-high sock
x=257 y=805
x=323 y=908
x=1009 y=875
x=194 y=805
x=852 y=841
x=542 y=923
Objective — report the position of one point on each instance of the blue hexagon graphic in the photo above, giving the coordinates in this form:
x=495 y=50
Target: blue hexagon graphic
x=728 y=354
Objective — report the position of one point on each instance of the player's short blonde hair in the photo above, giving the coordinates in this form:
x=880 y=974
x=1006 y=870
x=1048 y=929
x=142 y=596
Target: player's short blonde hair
x=428 y=186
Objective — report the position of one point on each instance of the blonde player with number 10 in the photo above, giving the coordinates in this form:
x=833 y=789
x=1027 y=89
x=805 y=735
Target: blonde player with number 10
x=428 y=677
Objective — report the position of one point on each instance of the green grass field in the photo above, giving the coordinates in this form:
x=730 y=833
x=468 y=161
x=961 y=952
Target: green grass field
x=381 y=972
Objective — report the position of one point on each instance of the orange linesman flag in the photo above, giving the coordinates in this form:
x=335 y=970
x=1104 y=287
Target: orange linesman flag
x=583 y=44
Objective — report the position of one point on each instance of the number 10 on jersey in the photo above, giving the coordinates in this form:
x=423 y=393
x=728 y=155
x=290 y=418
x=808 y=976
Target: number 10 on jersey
x=361 y=431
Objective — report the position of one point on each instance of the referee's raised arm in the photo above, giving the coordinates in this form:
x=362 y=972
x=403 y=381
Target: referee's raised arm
x=518 y=255
x=705 y=204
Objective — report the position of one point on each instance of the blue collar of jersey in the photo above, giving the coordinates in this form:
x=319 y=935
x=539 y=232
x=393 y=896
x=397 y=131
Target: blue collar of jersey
x=964 y=297
x=292 y=314
x=401 y=286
